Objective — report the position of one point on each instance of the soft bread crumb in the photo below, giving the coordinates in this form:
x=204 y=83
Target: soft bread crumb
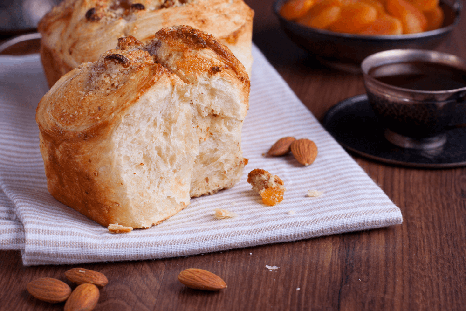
x=272 y=267
x=270 y=187
x=314 y=193
x=116 y=228
x=291 y=212
x=223 y=214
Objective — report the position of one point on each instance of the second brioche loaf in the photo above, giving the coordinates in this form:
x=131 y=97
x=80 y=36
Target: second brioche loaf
x=78 y=31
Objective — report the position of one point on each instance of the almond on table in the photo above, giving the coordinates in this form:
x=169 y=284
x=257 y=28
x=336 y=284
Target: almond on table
x=49 y=290
x=81 y=275
x=83 y=298
x=201 y=279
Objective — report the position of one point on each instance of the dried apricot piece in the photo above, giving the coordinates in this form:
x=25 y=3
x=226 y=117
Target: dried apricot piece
x=347 y=2
x=434 y=18
x=384 y=25
x=295 y=9
x=354 y=17
x=323 y=19
x=413 y=20
x=322 y=14
x=425 y=5
x=377 y=4
x=272 y=196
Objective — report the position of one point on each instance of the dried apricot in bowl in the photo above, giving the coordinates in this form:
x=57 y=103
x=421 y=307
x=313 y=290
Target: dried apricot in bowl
x=434 y=18
x=366 y=17
x=412 y=18
x=384 y=25
x=347 y=51
x=294 y=9
x=322 y=15
x=354 y=17
x=425 y=5
x=377 y=4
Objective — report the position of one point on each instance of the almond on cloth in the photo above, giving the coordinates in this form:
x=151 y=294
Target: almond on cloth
x=83 y=298
x=304 y=150
x=201 y=279
x=281 y=147
x=49 y=290
x=270 y=187
x=81 y=275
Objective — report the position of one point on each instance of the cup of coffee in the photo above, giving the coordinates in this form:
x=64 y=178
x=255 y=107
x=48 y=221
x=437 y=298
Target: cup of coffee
x=418 y=95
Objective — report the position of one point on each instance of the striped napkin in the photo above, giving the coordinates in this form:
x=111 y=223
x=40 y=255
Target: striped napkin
x=49 y=232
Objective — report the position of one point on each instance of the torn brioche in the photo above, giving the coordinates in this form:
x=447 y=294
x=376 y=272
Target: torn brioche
x=78 y=31
x=130 y=138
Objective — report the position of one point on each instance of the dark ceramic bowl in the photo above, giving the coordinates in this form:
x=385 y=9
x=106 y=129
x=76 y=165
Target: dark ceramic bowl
x=347 y=51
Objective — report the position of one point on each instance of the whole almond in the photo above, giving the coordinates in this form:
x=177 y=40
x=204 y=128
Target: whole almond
x=49 y=290
x=81 y=275
x=83 y=298
x=304 y=150
x=281 y=147
x=201 y=279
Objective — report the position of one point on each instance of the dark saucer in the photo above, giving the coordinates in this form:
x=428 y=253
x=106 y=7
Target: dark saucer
x=355 y=126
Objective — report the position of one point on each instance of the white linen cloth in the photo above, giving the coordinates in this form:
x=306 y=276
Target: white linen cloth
x=49 y=232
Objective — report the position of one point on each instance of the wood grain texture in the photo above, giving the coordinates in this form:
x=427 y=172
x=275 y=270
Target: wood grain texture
x=419 y=265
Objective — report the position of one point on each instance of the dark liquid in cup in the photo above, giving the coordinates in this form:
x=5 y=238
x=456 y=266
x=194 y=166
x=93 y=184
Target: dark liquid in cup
x=421 y=76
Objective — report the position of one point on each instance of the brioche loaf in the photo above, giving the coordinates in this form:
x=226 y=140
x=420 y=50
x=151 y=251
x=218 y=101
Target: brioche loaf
x=130 y=138
x=78 y=31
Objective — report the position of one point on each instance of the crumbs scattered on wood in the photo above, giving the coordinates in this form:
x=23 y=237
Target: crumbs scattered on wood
x=271 y=268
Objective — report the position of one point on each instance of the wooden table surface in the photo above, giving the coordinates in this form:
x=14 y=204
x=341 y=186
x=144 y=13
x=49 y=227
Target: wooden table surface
x=419 y=265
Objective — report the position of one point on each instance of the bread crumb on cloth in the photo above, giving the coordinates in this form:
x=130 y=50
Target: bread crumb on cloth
x=270 y=187
x=223 y=214
x=116 y=228
x=314 y=193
